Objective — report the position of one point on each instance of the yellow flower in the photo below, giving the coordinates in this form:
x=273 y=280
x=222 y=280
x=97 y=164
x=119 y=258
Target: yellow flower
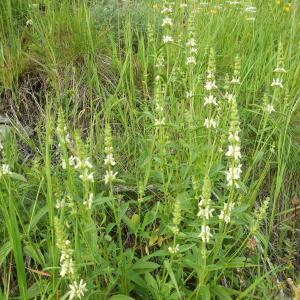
x=213 y=11
x=278 y=2
x=287 y=8
x=155 y=6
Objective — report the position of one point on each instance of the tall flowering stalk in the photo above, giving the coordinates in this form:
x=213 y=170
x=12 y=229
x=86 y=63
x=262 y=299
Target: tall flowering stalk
x=191 y=50
x=167 y=22
x=4 y=168
x=159 y=102
x=233 y=153
x=278 y=80
x=109 y=161
x=175 y=227
x=236 y=77
x=210 y=87
x=77 y=289
x=271 y=105
x=205 y=213
x=77 y=161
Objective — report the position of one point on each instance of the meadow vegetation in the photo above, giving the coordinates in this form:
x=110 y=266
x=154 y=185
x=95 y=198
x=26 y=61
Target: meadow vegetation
x=149 y=149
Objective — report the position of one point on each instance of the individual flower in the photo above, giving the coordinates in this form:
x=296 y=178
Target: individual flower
x=210 y=85
x=191 y=42
x=29 y=22
x=174 y=250
x=60 y=204
x=205 y=234
x=229 y=97
x=167 y=21
x=88 y=203
x=234 y=137
x=210 y=123
x=191 y=60
x=5 y=170
x=77 y=290
x=189 y=95
x=193 y=50
x=226 y=212
x=87 y=176
x=277 y=82
x=210 y=100
x=167 y=39
x=280 y=70
x=167 y=10
x=233 y=175
x=270 y=108
x=109 y=160
x=110 y=176
x=251 y=9
x=205 y=212
x=159 y=107
x=234 y=151
x=235 y=80
x=159 y=122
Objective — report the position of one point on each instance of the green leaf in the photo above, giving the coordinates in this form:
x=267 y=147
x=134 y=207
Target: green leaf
x=172 y=276
x=144 y=266
x=17 y=177
x=221 y=292
x=35 y=220
x=204 y=293
x=4 y=251
x=121 y=297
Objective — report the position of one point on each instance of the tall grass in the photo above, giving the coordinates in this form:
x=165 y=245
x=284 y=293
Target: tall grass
x=150 y=149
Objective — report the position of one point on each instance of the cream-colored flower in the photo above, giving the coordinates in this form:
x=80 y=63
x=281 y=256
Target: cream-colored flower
x=277 y=82
x=77 y=290
x=167 y=39
x=210 y=100
x=205 y=234
x=110 y=176
x=234 y=151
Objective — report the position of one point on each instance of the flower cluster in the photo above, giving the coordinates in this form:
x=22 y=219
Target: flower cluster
x=64 y=245
x=5 y=168
x=64 y=137
x=77 y=290
x=174 y=250
x=205 y=211
x=176 y=218
x=89 y=201
x=109 y=161
x=250 y=12
x=226 y=212
x=268 y=107
x=210 y=99
x=234 y=171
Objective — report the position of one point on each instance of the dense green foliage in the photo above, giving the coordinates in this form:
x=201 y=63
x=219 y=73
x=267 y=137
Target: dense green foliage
x=149 y=149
